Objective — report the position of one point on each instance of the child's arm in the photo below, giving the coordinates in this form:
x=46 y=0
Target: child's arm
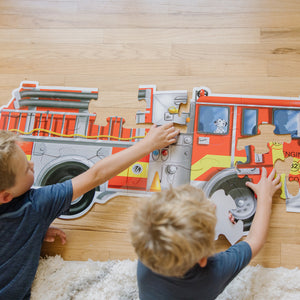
x=103 y=170
x=264 y=190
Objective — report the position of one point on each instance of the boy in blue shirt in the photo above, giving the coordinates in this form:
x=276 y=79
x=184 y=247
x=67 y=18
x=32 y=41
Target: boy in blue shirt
x=26 y=213
x=173 y=235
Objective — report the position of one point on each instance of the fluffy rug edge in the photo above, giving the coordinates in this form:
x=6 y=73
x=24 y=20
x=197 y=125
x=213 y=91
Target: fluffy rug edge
x=116 y=279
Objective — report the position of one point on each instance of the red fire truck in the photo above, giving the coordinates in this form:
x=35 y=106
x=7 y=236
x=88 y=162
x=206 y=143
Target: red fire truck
x=62 y=139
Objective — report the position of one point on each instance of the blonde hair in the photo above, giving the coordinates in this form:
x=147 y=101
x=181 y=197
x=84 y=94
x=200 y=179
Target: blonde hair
x=173 y=230
x=7 y=149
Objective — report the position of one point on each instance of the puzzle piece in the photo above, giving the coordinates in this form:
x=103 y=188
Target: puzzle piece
x=162 y=107
x=224 y=203
x=261 y=141
x=283 y=168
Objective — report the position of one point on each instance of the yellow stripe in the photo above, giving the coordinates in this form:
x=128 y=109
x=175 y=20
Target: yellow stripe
x=75 y=134
x=209 y=161
x=28 y=156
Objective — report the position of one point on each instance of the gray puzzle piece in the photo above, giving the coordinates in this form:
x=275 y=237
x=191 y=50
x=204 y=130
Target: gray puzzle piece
x=224 y=203
x=164 y=105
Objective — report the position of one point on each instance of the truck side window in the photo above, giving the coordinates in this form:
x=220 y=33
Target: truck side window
x=213 y=119
x=287 y=121
x=249 y=126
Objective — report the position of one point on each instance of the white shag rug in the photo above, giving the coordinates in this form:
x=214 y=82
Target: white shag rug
x=116 y=280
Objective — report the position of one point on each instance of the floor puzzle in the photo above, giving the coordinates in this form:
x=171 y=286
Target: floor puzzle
x=228 y=139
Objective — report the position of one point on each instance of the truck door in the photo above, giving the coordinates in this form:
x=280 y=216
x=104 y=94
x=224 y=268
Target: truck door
x=212 y=143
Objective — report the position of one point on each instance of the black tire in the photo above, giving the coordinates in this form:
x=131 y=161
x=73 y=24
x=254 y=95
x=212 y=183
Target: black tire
x=65 y=171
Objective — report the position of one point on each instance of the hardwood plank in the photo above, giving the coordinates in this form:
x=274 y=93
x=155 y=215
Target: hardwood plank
x=128 y=36
x=28 y=19
x=97 y=50
x=110 y=67
x=243 y=7
x=96 y=245
x=123 y=7
x=290 y=255
x=115 y=215
x=52 y=36
x=269 y=256
x=175 y=36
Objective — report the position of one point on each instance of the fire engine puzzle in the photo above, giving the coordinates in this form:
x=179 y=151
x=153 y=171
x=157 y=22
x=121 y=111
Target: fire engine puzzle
x=228 y=139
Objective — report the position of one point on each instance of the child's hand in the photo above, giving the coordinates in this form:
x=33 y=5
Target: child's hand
x=162 y=136
x=267 y=185
x=231 y=218
x=52 y=232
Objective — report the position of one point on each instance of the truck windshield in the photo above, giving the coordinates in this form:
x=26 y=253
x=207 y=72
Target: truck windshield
x=213 y=119
x=287 y=121
x=249 y=122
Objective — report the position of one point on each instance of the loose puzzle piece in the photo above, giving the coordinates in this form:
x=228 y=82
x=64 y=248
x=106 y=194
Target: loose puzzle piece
x=224 y=204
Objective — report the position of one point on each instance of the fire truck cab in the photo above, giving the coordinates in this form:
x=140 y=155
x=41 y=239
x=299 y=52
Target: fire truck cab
x=217 y=161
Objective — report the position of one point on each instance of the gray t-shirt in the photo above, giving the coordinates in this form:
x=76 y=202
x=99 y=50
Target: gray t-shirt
x=198 y=283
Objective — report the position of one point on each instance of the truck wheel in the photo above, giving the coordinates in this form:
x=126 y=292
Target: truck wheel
x=235 y=187
x=62 y=172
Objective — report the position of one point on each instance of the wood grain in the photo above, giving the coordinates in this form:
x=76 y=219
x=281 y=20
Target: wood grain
x=239 y=47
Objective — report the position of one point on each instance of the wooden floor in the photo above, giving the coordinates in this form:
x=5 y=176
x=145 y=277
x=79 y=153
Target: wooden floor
x=239 y=47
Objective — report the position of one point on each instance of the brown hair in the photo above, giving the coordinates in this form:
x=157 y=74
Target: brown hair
x=173 y=230
x=7 y=149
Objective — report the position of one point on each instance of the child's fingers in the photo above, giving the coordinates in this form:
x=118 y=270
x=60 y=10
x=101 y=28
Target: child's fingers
x=272 y=174
x=173 y=133
x=62 y=236
x=168 y=125
x=49 y=239
x=277 y=179
x=171 y=130
x=165 y=127
x=250 y=185
x=277 y=182
x=63 y=239
x=263 y=172
x=58 y=232
x=231 y=217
